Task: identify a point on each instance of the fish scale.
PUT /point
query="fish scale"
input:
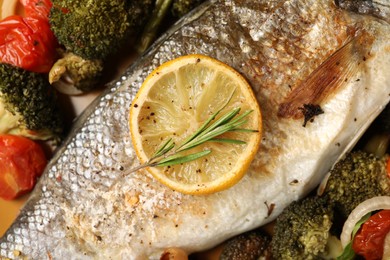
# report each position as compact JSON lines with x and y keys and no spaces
{"x":85,"y":206}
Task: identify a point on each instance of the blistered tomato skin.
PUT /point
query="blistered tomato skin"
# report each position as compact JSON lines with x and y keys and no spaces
{"x":37,"y":8}
{"x":369,"y":241}
{"x":27,"y":42}
{"x":22,"y":162}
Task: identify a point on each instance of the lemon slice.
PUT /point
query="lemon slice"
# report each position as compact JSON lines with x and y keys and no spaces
{"x":175,"y":100}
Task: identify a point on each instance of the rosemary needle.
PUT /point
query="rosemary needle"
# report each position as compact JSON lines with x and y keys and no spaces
{"x":166,"y":155}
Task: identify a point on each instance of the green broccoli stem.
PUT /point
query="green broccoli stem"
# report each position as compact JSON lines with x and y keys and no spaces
{"x":149,"y":33}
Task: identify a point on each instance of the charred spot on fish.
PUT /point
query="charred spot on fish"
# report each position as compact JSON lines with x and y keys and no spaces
{"x":310,"y":111}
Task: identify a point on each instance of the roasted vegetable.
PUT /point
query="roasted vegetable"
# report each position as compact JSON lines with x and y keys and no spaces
{"x":74,"y":75}
{"x":96,"y":29}
{"x":93,"y":31}
{"x":369,"y":240}
{"x":303,"y":230}
{"x":358,"y":177}
{"x":27,"y":41}
{"x":249,"y":245}
{"x":28,"y":105}
{"x":21,"y":163}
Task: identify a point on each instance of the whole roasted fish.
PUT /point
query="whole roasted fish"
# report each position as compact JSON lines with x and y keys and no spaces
{"x":321,"y":75}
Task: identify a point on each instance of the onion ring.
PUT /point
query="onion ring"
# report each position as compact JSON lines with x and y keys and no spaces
{"x":367,"y":206}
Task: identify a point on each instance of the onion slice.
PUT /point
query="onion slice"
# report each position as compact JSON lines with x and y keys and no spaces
{"x":7,"y":8}
{"x":367,"y":206}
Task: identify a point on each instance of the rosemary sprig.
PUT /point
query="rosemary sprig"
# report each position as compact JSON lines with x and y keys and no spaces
{"x":168,"y":155}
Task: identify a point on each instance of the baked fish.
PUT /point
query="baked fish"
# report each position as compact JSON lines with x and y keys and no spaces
{"x":320,"y":74}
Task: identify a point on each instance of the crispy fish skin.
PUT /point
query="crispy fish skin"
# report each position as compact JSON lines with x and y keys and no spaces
{"x":86,"y":207}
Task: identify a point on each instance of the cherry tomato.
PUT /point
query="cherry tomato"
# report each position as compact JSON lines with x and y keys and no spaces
{"x":27,"y":42}
{"x":37,"y":8}
{"x":22,"y":162}
{"x":369,"y":240}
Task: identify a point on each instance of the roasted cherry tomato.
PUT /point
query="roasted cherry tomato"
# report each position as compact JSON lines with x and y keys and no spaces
{"x":27,"y":42}
{"x":37,"y":8}
{"x":22,"y":162}
{"x":369,"y":240}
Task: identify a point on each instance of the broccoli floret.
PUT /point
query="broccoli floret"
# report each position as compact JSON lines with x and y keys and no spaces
{"x":73,"y":75}
{"x":91,"y":32}
{"x":96,"y":29}
{"x":302,"y":231}
{"x":28,"y":105}
{"x":356,"y":178}
{"x":181,"y":7}
{"x":250,"y":245}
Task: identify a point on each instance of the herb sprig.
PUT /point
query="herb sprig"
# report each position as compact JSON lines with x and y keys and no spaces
{"x":168,"y":155}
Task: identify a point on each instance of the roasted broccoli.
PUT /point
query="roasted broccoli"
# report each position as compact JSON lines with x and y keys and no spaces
{"x":74,"y":75}
{"x":303,"y":230}
{"x":357,"y":177}
{"x":250,"y":245}
{"x":96,"y":29}
{"x":92,"y":31}
{"x":28,"y":105}
{"x":181,"y":7}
